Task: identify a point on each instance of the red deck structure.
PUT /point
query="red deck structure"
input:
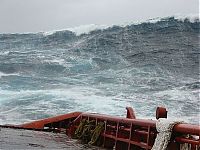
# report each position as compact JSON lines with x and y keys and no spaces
{"x":121,"y":133}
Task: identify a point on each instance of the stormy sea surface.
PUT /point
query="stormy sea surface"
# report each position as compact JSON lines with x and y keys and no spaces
{"x":140,"y":65}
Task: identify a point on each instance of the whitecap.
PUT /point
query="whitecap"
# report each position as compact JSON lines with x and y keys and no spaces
{"x":4,"y":53}
{"x":87,"y":28}
{"x":10,"y":74}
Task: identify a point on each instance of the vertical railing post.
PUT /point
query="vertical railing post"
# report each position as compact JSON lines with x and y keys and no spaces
{"x":130,"y":134}
{"x":148,"y":136}
{"x":105,"y":128}
{"x":116,"y":134}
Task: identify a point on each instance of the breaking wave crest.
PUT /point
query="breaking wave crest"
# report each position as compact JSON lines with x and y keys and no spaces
{"x":144,"y":65}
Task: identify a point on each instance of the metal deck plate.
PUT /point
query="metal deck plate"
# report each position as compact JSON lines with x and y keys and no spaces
{"x":19,"y":139}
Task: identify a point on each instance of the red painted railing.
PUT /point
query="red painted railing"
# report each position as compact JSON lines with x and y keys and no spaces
{"x":127,"y":134}
{"x":122,"y":133}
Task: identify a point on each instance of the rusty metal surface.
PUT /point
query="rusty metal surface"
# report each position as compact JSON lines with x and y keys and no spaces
{"x":19,"y":139}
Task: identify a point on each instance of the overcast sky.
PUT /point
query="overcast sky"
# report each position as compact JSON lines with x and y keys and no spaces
{"x":46,"y":15}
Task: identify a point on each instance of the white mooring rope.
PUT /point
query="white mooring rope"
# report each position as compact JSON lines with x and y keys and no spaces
{"x":164,"y":128}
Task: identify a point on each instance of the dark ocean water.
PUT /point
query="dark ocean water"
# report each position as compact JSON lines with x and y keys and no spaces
{"x":142,"y":66}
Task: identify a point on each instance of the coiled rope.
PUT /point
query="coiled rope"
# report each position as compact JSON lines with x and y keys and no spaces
{"x":96,"y":133}
{"x":88,"y":132}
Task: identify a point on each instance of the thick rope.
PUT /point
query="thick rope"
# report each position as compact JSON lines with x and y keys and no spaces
{"x":88,"y":132}
{"x":96,"y":133}
{"x":80,"y":128}
{"x":164,"y":127}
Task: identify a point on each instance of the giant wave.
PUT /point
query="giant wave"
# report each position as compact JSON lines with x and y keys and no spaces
{"x":140,"y":65}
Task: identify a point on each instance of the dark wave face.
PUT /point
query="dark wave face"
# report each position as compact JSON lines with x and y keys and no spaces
{"x":142,"y":66}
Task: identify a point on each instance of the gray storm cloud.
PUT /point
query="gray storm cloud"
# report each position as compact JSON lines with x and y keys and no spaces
{"x":46,"y":15}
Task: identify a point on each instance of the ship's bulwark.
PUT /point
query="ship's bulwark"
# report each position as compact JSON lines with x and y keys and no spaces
{"x":143,"y":66}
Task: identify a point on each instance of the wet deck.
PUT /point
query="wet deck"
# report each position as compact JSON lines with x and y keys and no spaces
{"x":27,"y":139}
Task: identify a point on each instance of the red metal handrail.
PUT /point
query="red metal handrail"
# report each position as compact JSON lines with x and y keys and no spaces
{"x":128,"y":132}
{"x":146,"y":127}
{"x":40,"y":124}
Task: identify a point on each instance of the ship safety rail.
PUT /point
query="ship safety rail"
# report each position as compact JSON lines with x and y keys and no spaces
{"x":130,"y":133}
{"x":121,"y":133}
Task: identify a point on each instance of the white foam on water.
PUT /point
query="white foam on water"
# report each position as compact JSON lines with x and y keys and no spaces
{"x":85,"y":29}
{"x":178,"y":101}
{"x":8,"y":74}
{"x":190,"y":17}
{"x":88,"y":99}
{"x":84,"y":99}
{"x":4,"y":53}
{"x":82,"y":29}
{"x":59,"y":61}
